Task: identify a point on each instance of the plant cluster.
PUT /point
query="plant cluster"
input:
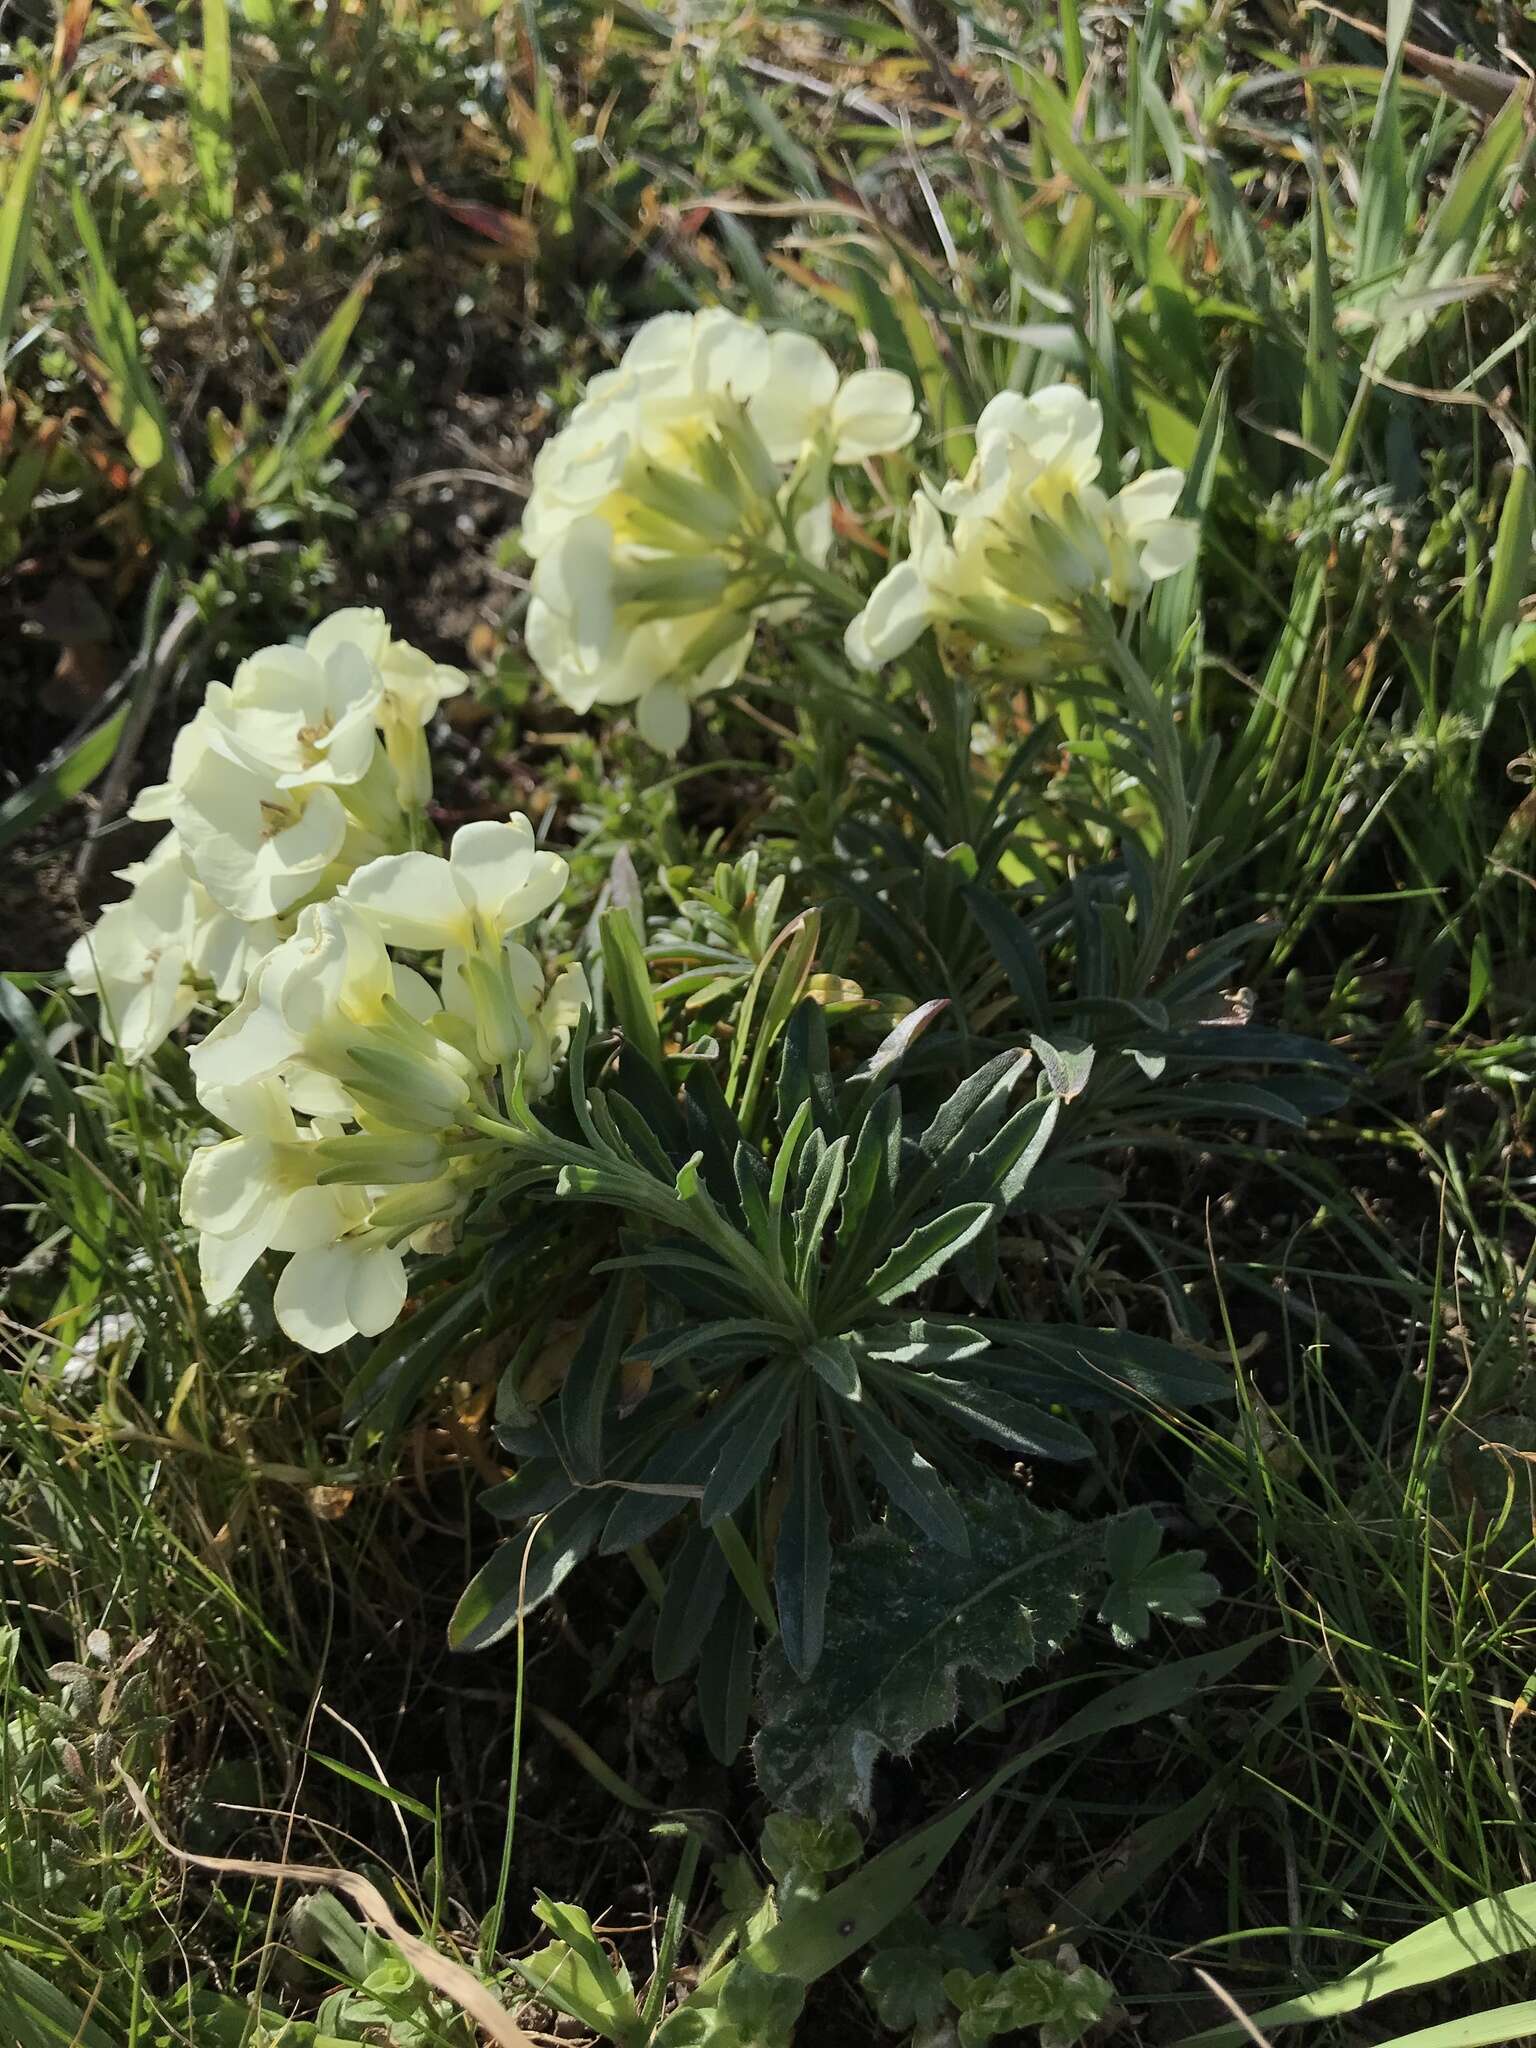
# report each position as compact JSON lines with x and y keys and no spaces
{"x":804,"y":1332}
{"x":941,"y":1185}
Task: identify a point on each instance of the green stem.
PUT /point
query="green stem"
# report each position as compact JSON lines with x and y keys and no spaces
{"x":824,"y":583}
{"x":630,"y":1189}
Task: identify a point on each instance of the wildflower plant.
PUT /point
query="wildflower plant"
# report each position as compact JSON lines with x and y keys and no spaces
{"x":781,"y":1141}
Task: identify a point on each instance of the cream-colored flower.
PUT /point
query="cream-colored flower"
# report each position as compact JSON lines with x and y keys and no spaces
{"x":257,"y":847}
{"x":136,"y":959}
{"x":304,"y":718}
{"x":802,"y":401}
{"x":470,"y":908}
{"x":941,"y":583}
{"x":683,"y":503}
{"x":221,"y":949}
{"x":257,"y":1191}
{"x":794,"y":402}
{"x":1033,"y":536}
{"x":348,"y":1030}
{"x":495,"y":880}
{"x":551,"y":1019}
{"x":1146,"y":542}
{"x":1031,"y":455}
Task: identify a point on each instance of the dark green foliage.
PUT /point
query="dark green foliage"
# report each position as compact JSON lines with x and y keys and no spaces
{"x":903,"y":1622}
{"x":793,"y":1394}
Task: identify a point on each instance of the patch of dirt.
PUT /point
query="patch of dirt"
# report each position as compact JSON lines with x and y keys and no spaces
{"x":39,"y":904}
{"x":442,"y":509}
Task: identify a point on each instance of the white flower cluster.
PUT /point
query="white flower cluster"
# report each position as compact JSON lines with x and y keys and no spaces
{"x":313,"y":761}
{"x":687,"y":498}
{"x":1030,"y":536}
{"x":359,"y":1087}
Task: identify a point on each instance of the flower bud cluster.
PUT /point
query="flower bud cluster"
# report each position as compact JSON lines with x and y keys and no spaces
{"x":358,"y":1086}
{"x":1030,"y":536}
{"x":311,"y":763}
{"x":688,"y":498}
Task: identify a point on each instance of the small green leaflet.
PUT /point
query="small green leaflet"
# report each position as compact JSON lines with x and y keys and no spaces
{"x":1143,"y":1584}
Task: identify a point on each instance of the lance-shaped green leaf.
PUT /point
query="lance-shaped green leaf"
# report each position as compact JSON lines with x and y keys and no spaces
{"x":576,"y":1975}
{"x":695,"y":1587}
{"x":18,"y":209}
{"x":127,"y":390}
{"x":909,"y":1479}
{"x":928,"y":1251}
{"x":628,"y":986}
{"x":802,"y":1561}
{"x":1484,"y":663}
{"x":757,"y":1417}
{"x":1503,"y":1925}
{"x":522,"y":1573}
{"x":591,"y":1376}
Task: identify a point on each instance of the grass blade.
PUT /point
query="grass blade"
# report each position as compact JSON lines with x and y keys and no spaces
{"x":1322,"y":405}
{"x":1383,"y":220}
{"x":16,"y":215}
{"x":74,"y":768}
{"x":128,"y":392}
{"x":1441,"y":265}
{"x":1484,"y":665}
{"x":1477,"y":2030}
{"x":209,"y":90}
{"x":42,"y":2016}
{"x":1501,"y":1926}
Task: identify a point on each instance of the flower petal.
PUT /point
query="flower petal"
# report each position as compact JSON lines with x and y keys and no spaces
{"x":1168,"y":548}
{"x":663,"y":716}
{"x":793,"y":403}
{"x":223,"y":1262}
{"x":375,"y":1289}
{"x":896,"y":616}
{"x":411,"y":900}
{"x":310,"y":1300}
{"x":1147,"y":498}
{"x":873,"y":414}
{"x":227,"y":1187}
{"x":491,"y":858}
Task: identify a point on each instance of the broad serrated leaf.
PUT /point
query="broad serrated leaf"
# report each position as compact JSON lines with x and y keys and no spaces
{"x":903,"y":1621}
